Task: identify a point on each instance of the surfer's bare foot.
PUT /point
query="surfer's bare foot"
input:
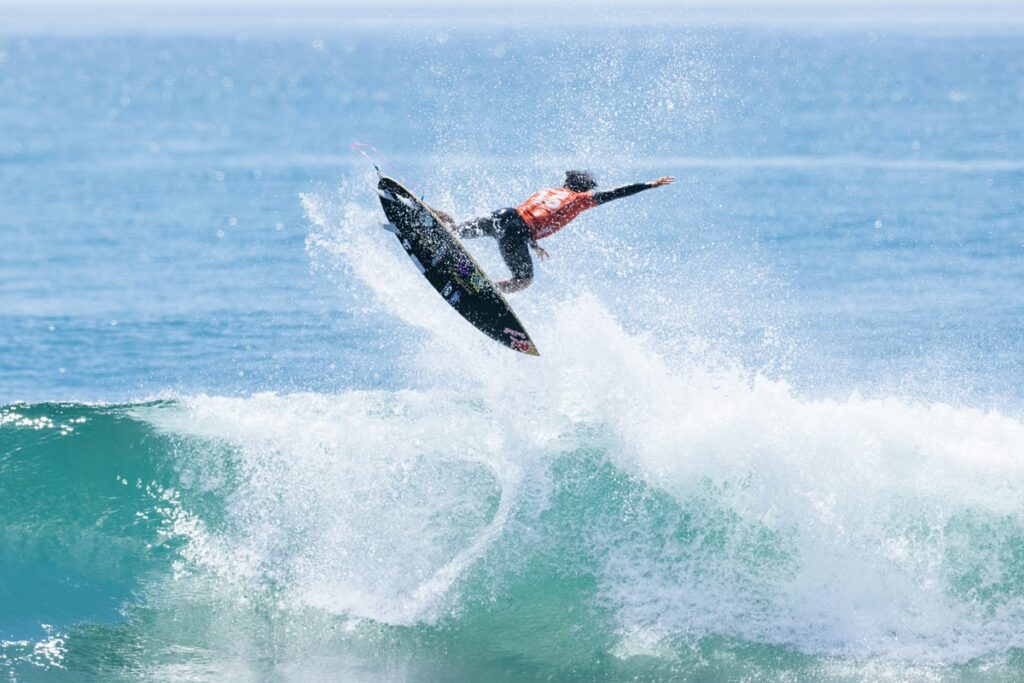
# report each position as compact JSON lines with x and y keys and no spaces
{"x":513,"y":285}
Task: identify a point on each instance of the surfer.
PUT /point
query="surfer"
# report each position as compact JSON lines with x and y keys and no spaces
{"x":543,"y":214}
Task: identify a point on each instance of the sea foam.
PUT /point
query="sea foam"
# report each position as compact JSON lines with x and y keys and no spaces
{"x":848,"y":526}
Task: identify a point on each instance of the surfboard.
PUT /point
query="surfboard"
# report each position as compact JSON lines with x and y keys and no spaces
{"x":451,"y":270}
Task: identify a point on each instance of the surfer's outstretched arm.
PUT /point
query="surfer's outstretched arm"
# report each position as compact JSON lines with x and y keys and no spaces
{"x":627,"y":190}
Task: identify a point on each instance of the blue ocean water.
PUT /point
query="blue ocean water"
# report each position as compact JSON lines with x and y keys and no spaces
{"x":776,"y":429}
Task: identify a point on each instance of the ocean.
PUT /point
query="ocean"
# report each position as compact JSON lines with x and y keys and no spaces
{"x":775,"y":432}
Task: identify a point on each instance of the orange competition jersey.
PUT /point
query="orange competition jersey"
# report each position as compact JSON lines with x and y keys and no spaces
{"x":548,"y":211}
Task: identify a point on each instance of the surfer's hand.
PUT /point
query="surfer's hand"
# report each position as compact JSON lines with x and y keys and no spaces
{"x":445,"y":218}
{"x":541,"y":254}
{"x":664,"y":180}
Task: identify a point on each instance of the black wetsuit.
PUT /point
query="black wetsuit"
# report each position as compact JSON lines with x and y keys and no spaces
{"x":513,"y":235}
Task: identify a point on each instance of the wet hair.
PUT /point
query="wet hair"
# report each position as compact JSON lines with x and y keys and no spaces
{"x":579,"y":181}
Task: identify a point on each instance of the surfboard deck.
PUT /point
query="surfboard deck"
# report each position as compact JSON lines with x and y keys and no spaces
{"x":449,"y":268}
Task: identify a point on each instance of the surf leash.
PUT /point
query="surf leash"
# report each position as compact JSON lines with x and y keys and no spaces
{"x":372,"y":162}
{"x":363,"y":147}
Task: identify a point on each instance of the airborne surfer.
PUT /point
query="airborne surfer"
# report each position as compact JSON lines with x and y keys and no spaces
{"x":543,"y":214}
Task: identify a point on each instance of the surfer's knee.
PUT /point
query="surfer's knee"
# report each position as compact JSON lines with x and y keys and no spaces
{"x":467,"y":229}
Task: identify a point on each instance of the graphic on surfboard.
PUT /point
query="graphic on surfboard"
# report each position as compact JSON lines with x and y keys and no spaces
{"x":449,"y":268}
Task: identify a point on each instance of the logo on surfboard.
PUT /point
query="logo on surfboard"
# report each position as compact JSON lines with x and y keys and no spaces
{"x":519,"y":341}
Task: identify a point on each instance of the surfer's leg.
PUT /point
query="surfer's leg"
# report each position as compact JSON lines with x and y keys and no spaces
{"x":485,"y":226}
{"x":514,"y":246}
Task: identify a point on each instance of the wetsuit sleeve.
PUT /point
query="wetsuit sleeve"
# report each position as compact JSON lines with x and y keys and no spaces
{"x":619,"y":192}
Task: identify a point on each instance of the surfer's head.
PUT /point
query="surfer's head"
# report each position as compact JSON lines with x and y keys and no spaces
{"x":579,"y":181}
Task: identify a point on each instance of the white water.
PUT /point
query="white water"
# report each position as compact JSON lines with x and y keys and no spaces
{"x":855,"y":527}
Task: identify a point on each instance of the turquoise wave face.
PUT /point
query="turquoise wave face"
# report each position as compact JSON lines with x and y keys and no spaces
{"x":431,"y":534}
{"x":74,"y":549}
